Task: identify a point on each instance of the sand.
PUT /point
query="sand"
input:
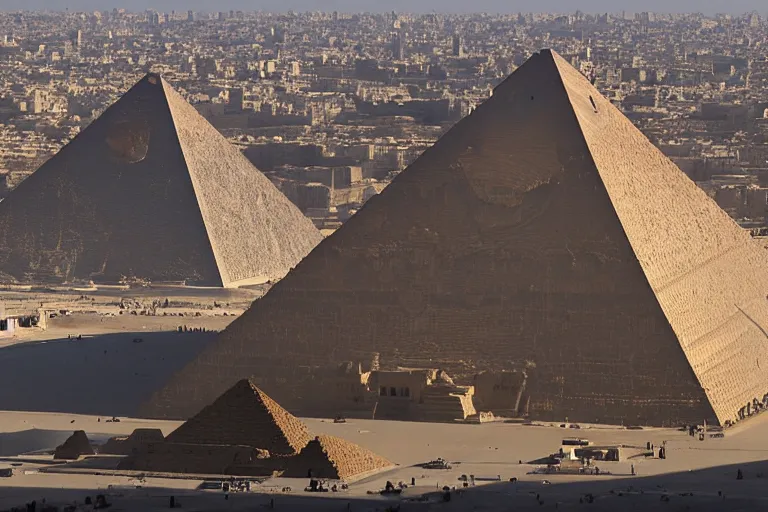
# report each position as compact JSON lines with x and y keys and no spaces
{"x":108,"y":374}
{"x":485,"y":450}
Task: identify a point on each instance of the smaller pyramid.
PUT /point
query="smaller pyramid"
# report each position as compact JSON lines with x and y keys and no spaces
{"x":245,"y":416}
{"x":139,"y":439}
{"x":76,"y":445}
{"x":334,"y":458}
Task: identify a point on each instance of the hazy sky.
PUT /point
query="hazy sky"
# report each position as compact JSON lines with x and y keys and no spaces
{"x":705,"y":6}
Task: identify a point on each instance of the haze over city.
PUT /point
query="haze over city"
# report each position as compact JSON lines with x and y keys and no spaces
{"x":320,"y":259}
{"x":422,"y":6}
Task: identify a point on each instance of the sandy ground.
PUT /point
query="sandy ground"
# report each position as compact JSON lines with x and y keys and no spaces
{"x":72,"y":384}
{"x":487,"y":451}
{"x":113,"y":311}
{"x":108,"y":374}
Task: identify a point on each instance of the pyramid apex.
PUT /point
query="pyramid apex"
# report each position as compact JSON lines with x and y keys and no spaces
{"x":153,"y":78}
{"x":245,"y":415}
{"x":151,"y":135}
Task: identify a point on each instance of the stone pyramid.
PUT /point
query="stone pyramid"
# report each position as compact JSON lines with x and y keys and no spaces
{"x":334,"y":458}
{"x":76,"y":445}
{"x":244,"y":416}
{"x":150,"y":190}
{"x":542,"y":233}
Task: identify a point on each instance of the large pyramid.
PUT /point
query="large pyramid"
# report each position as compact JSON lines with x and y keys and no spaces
{"x":150,"y":190}
{"x":543,"y":232}
{"x":244,"y":416}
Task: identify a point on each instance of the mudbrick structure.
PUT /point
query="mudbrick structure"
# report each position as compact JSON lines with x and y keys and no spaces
{"x":544,"y":235}
{"x":246,"y":433}
{"x":150,"y":191}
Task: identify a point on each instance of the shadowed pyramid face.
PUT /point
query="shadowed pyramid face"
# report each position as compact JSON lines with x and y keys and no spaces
{"x":128,"y":139}
{"x":150,"y":190}
{"x":543,"y":233}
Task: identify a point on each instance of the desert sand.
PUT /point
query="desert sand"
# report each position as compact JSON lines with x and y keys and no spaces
{"x":51,"y":386}
{"x":488,"y":451}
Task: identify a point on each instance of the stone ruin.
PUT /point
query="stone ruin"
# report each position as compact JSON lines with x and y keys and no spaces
{"x":137,"y":441}
{"x":74,"y":447}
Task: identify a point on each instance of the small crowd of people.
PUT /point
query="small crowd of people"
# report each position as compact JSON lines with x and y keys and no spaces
{"x":184,"y":328}
{"x":318,"y":485}
{"x":753,"y":407}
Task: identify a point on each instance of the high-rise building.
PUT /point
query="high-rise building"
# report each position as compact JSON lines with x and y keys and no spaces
{"x":190,"y":16}
{"x":458,"y":45}
{"x":398,"y":45}
{"x":236,"y":98}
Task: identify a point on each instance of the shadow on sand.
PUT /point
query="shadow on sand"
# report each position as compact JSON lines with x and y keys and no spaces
{"x":712,"y":489}
{"x":108,"y":375}
{"x":32,"y":440}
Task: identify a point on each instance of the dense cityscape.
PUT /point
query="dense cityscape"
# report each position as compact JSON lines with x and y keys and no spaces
{"x":417,"y":262}
{"x":332,"y":106}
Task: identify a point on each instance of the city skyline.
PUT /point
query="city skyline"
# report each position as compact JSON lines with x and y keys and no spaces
{"x":490,"y":6}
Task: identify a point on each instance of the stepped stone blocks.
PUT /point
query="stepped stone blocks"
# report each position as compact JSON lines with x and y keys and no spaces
{"x":150,"y":190}
{"x":244,"y":416}
{"x":245,"y":433}
{"x":201,"y":459}
{"x":134,"y":443}
{"x":543,"y":233}
{"x":76,"y":445}
{"x":334,"y":458}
